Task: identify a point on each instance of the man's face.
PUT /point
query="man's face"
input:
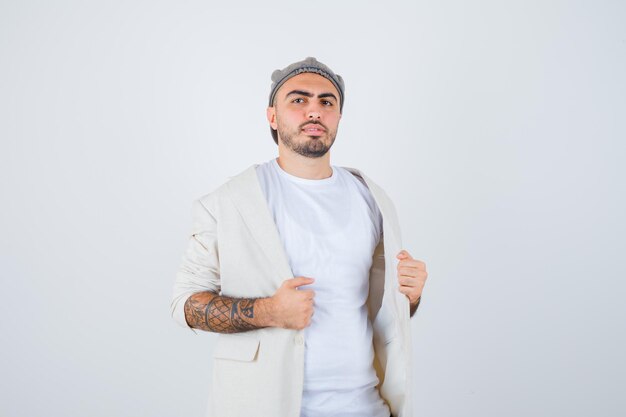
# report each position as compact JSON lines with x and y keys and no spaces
{"x":306,"y":114}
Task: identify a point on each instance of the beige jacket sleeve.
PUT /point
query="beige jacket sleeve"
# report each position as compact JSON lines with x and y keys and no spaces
{"x":199,"y":270}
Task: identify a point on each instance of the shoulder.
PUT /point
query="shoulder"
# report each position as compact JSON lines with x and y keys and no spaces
{"x":216,"y":197}
{"x":366,"y":180}
{"x":384,"y":202}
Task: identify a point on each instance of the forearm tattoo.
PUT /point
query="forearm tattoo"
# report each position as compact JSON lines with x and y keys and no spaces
{"x":215,"y":313}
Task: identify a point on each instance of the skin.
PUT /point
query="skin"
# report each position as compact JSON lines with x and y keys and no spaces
{"x":307,"y":98}
{"x":411,"y":278}
{"x":289,"y":308}
{"x":300,"y":153}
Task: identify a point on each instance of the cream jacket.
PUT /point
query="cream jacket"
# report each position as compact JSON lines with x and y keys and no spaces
{"x":235,"y":250}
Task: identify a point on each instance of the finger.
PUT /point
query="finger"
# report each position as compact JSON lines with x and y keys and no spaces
{"x":404,"y":290}
{"x":405,"y":281}
{"x":403,"y":254}
{"x":412,"y":263}
{"x":410,"y":281}
{"x":308,"y":294}
{"x":298,"y":281}
{"x":410,"y":271}
{"x":413,"y":273}
{"x":411,"y":293}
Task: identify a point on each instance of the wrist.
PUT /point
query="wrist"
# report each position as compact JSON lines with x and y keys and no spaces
{"x":266,"y":312}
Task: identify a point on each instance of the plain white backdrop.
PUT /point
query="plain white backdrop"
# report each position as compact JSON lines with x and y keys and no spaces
{"x":497,"y":128}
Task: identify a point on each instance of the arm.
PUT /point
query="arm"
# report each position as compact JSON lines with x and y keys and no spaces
{"x":289,"y":308}
{"x":214,"y":313}
{"x":197,"y":305}
{"x":199,"y":269}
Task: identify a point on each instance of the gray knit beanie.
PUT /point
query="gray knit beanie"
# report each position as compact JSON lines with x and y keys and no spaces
{"x":310,"y":64}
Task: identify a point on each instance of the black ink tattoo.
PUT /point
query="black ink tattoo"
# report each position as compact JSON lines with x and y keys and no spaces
{"x":215,"y":313}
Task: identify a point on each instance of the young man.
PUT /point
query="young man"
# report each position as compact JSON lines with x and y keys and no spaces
{"x":296,"y":263}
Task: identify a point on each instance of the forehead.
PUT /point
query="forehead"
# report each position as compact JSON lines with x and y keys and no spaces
{"x":309,"y":81}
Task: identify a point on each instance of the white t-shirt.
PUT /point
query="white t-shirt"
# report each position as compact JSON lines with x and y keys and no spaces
{"x":329,"y":229}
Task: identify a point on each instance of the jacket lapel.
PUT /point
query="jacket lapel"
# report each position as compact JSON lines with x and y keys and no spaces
{"x":390,"y":226}
{"x":391,"y":229}
{"x":246,"y":193}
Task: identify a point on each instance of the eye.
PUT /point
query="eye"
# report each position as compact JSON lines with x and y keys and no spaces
{"x":295,"y":99}
{"x":327,"y":102}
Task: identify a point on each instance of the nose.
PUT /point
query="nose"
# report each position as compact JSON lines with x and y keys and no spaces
{"x":314,"y":112}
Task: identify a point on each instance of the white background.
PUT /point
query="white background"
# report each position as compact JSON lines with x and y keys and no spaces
{"x":497,"y":128}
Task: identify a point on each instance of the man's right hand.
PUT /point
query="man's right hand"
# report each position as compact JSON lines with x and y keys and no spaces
{"x":290,"y":307}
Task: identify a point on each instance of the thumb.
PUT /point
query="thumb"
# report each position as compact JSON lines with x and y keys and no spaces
{"x":298,"y":281}
{"x":403,"y":254}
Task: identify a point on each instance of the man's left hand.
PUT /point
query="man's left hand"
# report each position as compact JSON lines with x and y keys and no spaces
{"x":411,"y":276}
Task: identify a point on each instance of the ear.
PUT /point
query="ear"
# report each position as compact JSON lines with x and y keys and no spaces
{"x":271,"y":117}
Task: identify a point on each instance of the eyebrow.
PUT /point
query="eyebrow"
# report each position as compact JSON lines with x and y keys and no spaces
{"x":307,"y":94}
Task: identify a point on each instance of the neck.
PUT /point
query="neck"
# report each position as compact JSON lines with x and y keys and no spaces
{"x":303,"y":167}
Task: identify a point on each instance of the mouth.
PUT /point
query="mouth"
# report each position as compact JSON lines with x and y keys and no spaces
{"x":313,"y":130}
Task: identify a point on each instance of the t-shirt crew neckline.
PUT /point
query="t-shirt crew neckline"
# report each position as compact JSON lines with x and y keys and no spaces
{"x":307,"y":181}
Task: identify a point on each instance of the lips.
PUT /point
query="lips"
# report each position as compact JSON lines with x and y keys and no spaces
{"x":313,"y":129}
